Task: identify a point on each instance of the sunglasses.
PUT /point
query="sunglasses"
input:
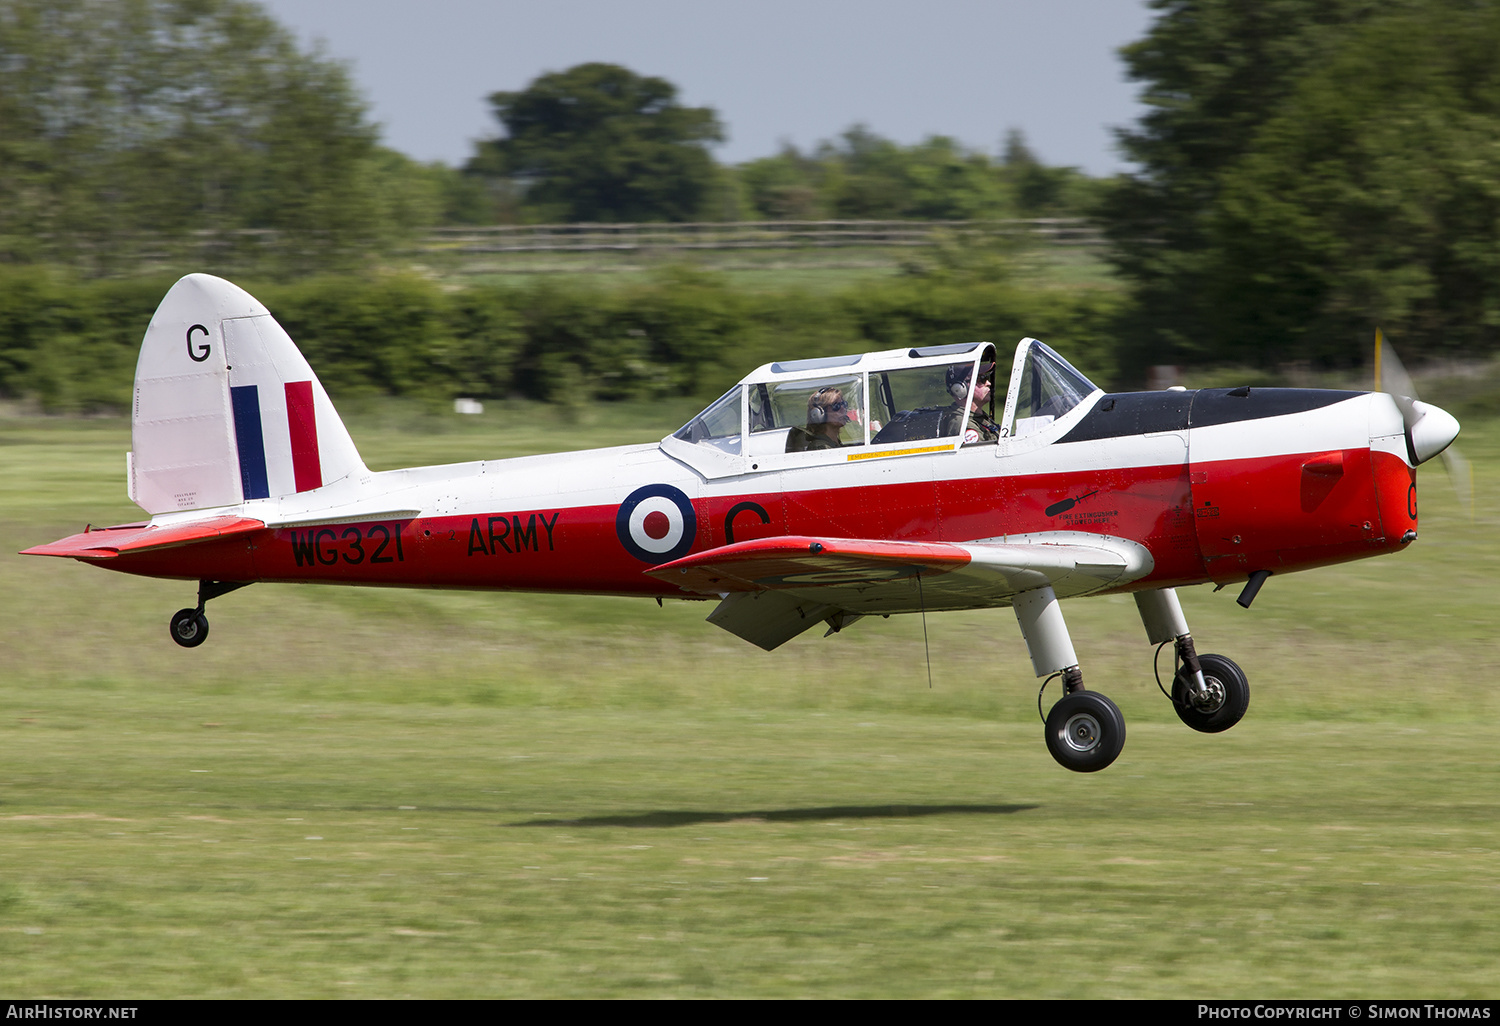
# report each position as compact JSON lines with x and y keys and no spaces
{"x":838,"y":407}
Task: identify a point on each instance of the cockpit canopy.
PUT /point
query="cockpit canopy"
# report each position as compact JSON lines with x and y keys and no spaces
{"x":935,"y":393}
{"x":1044,"y":387}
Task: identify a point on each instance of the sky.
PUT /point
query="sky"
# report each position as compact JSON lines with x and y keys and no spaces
{"x":776,"y":71}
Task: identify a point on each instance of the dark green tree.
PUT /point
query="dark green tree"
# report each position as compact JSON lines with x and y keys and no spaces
{"x":935,"y":179}
{"x":163,"y":118}
{"x":1038,"y":190}
{"x":863,"y":175}
{"x":786,"y":187}
{"x":600,"y":143}
{"x":1371,"y":196}
{"x":1214,"y":72}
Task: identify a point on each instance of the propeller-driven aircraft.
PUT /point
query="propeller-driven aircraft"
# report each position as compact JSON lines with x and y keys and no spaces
{"x":814,"y":492}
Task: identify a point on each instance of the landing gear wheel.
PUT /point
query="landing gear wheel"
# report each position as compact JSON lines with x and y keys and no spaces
{"x":189,"y":628}
{"x":1085,"y":731}
{"x":1226,"y":702}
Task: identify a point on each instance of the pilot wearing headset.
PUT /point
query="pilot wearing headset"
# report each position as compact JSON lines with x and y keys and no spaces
{"x":827,"y":413}
{"x":982,"y":427}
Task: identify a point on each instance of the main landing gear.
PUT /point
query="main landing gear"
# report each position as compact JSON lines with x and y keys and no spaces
{"x":189,"y":627}
{"x":1085,"y":731}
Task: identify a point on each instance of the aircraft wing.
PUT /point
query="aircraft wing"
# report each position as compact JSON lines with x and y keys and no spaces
{"x":793,"y":561}
{"x":110,"y":542}
{"x":775,"y":588}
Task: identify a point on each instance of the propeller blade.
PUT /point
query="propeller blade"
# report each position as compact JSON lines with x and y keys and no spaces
{"x":1429,"y":430}
{"x":1461,"y":473}
{"x":1391,"y":376}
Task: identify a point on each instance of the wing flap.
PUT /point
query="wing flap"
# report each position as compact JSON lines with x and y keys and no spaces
{"x":768,"y":619}
{"x":111,"y":542}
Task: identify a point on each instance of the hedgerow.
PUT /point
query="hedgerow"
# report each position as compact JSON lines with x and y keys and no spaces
{"x":71,"y":345}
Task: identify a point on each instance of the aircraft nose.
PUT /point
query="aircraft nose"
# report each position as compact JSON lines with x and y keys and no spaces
{"x":1430,"y":431}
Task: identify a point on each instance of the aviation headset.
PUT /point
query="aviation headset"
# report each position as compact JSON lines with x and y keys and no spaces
{"x":817,"y":405}
{"x":958,"y":379}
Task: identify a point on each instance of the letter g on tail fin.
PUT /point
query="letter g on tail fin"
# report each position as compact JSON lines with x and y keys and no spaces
{"x":226,"y":408}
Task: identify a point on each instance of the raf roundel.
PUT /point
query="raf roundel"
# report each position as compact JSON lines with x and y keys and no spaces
{"x":656,"y":524}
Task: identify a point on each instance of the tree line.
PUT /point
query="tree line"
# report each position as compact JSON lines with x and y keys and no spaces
{"x":1308,"y":170}
{"x":1304,"y":171}
{"x":123,"y":118}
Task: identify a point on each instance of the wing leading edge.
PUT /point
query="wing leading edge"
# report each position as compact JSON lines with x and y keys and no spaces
{"x":773,"y":589}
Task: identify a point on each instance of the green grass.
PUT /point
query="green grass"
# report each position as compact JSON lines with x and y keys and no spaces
{"x":812,"y":270}
{"x":369,"y":793}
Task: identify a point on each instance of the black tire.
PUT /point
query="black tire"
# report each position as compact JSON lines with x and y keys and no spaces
{"x":1085,"y":731}
{"x":189,"y":628}
{"x":1230,"y":699}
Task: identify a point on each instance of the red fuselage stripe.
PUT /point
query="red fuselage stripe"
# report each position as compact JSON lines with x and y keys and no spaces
{"x":1216,"y":520}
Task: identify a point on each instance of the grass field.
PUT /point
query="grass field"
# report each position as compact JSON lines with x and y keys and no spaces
{"x":816,"y":271}
{"x":367,"y":793}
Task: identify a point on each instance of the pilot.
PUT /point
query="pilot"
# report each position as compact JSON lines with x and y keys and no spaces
{"x":982,"y":427}
{"x":827,"y":413}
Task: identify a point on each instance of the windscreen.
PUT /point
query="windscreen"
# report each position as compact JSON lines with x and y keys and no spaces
{"x":718,"y":425}
{"x":1050,"y":387}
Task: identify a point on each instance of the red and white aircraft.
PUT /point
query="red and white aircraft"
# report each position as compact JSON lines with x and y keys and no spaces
{"x":812,"y":492}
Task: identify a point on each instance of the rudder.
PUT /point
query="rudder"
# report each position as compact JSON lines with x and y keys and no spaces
{"x":226,"y":407}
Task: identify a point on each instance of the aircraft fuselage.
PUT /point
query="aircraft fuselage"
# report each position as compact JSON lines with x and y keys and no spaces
{"x":1214,"y":486}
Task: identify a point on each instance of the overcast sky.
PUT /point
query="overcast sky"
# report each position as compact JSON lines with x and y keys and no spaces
{"x":775,"y":70}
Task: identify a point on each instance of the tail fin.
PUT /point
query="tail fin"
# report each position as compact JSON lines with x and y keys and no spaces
{"x":226,"y":408}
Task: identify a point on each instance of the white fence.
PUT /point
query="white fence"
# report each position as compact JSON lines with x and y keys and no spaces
{"x":745,"y":235}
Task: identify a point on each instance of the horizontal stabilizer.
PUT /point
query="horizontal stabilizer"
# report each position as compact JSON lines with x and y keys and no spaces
{"x":110,"y":542}
{"x":348,"y":518}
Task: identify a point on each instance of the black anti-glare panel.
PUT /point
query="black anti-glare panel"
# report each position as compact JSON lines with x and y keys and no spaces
{"x":1133,"y":413}
{"x":1226,"y":405}
{"x":1138,"y":413}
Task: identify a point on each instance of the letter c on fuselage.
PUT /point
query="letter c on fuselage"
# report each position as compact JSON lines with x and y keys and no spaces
{"x":736,"y":510}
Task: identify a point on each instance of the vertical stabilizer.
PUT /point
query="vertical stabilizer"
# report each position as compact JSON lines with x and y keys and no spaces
{"x":226,"y":407}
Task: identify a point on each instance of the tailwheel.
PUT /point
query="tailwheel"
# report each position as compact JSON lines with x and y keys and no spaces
{"x":1085,"y":731}
{"x":1222,"y":705}
{"x":189,"y":627}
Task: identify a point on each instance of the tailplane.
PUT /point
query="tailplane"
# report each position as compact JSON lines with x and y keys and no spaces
{"x":226,"y":408}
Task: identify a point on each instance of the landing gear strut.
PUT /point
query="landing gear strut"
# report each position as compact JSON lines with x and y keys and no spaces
{"x":1085,"y":731}
{"x":1210,"y":693}
{"x":189,"y":627}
